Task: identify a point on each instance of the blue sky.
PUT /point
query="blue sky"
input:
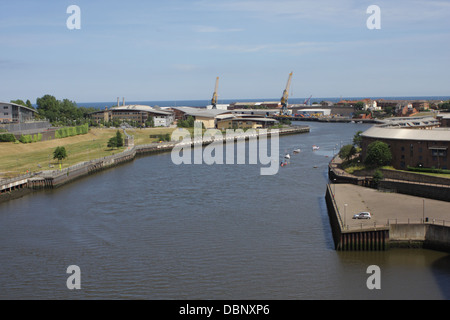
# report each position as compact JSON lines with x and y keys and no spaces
{"x":174,"y":50}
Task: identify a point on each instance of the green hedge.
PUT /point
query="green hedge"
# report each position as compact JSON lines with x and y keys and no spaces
{"x":71,"y":131}
{"x":28,"y":138}
{"x":7,"y":137}
{"x":429,"y":170}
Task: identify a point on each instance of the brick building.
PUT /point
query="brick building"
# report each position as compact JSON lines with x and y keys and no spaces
{"x":412,"y":147}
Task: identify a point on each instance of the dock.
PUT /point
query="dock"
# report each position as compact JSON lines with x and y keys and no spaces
{"x":398,"y":220}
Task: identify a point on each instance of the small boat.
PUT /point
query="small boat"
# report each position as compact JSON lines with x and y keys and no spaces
{"x":315,"y":148}
{"x":287,"y":156}
{"x":297,"y":151}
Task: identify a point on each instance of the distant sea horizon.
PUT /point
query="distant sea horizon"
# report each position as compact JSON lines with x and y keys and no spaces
{"x":205,"y":102}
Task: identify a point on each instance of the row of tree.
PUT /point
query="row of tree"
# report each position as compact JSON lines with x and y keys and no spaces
{"x":59,"y":112}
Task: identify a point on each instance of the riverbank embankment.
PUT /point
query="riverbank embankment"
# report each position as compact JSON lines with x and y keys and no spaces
{"x":48,"y":179}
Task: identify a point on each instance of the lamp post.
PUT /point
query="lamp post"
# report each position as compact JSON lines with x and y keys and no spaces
{"x":345,"y":215}
{"x":423,"y":210}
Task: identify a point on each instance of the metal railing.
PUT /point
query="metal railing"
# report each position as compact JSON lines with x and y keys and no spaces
{"x":427,"y":220}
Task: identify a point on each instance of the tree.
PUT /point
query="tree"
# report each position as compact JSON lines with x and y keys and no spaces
{"x":19,"y":101}
{"x":60,"y":153}
{"x":359,"y":105}
{"x":378,"y":154}
{"x":119,"y":139}
{"x":445,"y":105}
{"x":347,"y":152}
{"x":357,"y":139}
{"x":112,"y":143}
{"x":116,"y":141}
{"x":377,"y":176}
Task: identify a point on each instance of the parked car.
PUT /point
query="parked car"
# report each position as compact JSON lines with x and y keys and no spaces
{"x":362,"y":215}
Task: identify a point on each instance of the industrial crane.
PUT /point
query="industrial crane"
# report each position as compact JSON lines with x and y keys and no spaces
{"x":307,"y":100}
{"x":284,"y":98}
{"x":214,"y":97}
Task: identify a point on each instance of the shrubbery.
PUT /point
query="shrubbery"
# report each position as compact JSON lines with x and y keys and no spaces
{"x":28,"y":138}
{"x":71,"y":131}
{"x":428,"y":170}
{"x":7,"y":137}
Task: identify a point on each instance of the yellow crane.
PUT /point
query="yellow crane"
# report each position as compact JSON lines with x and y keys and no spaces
{"x":284,"y":98}
{"x":214,"y":97}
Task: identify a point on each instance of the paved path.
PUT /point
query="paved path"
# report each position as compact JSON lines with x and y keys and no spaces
{"x":386,"y":206}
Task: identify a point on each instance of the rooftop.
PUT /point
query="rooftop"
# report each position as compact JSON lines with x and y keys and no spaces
{"x":137,"y":108}
{"x":410,"y":122}
{"x":436,"y":134}
{"x":201,"y":112}
{"x":19,"y":105}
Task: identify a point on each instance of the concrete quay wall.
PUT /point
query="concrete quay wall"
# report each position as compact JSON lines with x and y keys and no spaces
{"x":367,"y":239}
{"x":424,"y":235}
{"x":384,"y":231}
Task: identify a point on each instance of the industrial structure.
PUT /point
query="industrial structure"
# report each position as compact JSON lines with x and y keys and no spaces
{"x":214,"y":97}
{"x":284,"y":98}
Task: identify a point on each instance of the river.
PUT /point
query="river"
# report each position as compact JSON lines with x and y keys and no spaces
{"x":151,"y":229}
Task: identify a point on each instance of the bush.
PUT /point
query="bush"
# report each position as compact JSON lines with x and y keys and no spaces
{"x":428,"y":170}
{"x":7,"y":137}
{"x":378,"y":154}
{"x":26,"y":138}
{"x":71,"y":131}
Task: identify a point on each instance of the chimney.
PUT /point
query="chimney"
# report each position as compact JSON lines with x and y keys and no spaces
{"x":117,"y":101}
{"x":123,"y":99}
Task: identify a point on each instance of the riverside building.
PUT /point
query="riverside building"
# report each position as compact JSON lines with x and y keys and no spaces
{"x":419,"y":145}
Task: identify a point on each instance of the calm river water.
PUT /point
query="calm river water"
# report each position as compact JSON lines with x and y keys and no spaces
{"x":150,"y":229}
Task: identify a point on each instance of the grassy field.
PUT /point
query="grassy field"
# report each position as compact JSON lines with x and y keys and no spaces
{"x":19,"y":158}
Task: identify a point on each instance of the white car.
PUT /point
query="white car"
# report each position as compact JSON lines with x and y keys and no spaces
{"x":362,"y":215}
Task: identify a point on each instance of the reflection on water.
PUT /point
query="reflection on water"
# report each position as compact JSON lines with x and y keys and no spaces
{"x":153,"y":230}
